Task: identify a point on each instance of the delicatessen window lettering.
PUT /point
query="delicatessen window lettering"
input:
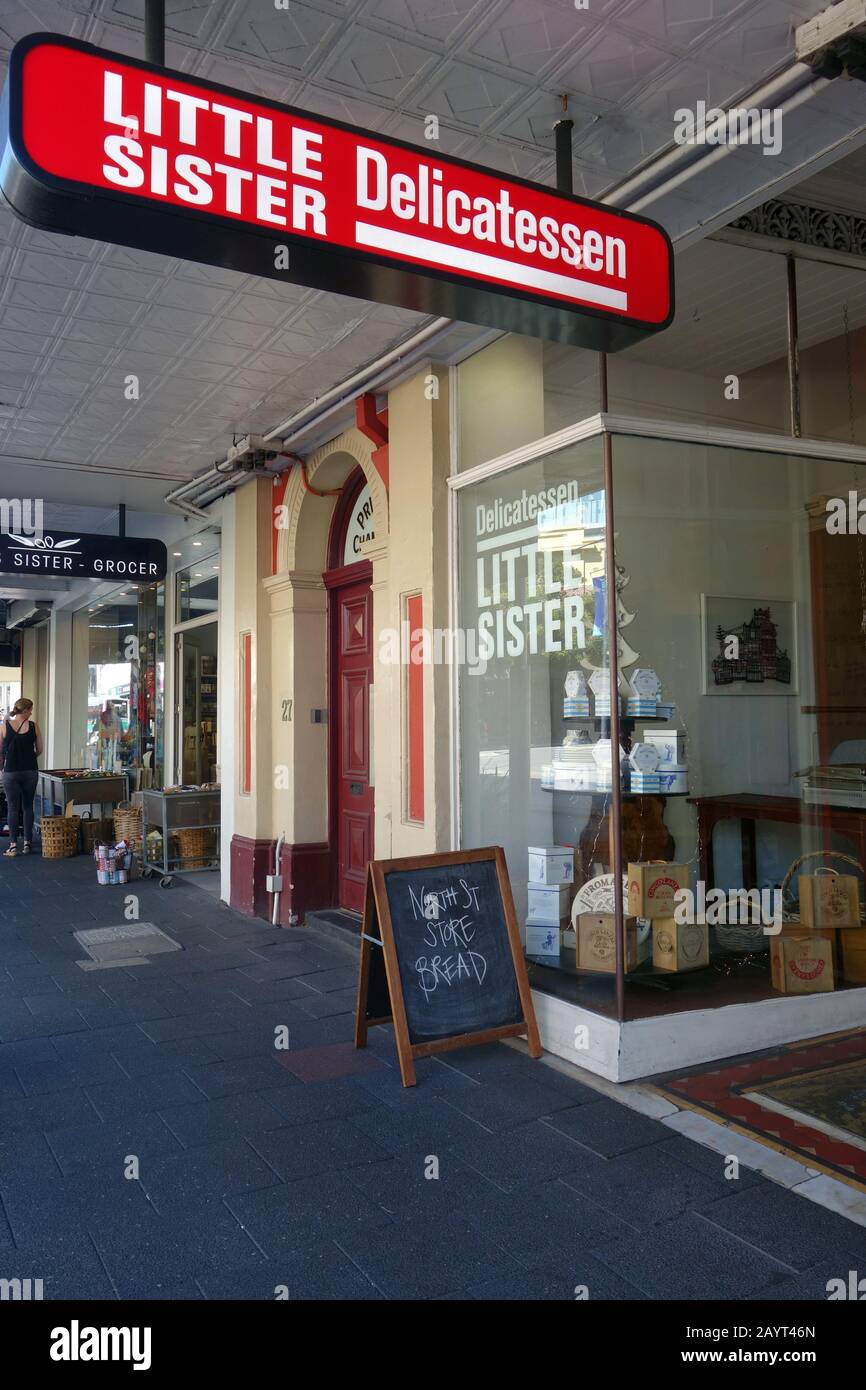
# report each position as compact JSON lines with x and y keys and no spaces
{"x":528,"y":586}
{"x":532,"y":579}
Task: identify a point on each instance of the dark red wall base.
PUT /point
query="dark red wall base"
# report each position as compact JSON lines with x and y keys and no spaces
{"x":251,"y":862}
{"x":307,"y":879}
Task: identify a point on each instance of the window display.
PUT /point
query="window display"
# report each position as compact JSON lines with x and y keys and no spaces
{"x":722,"y":789}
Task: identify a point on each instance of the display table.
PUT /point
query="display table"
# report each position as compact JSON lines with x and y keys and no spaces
{"x":749,"y":808}
{"x":172,"y":813}
{"x":57,"y":789}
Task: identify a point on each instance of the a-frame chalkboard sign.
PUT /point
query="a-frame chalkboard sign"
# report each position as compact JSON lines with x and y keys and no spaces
{"x":441,"y":956}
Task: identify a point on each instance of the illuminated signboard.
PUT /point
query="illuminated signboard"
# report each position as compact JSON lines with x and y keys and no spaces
{"x":100,"y":145}
{"x":76,"y":555}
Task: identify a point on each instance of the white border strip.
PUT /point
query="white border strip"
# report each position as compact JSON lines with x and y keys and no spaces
{"x":691,"y":433}
{"x":572,"y":434}
{"x":662,"y":430}
{"x":518,"y":276}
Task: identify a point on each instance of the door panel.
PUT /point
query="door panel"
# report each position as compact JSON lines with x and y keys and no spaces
{"x":355,"y":724}
{"x":353,"y":613}
{"x":196,"y":704}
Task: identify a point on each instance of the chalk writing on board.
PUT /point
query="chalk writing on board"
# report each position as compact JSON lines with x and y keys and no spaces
{"x":451,"y":933}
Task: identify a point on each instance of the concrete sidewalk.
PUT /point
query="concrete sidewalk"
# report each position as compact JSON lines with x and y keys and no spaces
{"x":155,"y":1144}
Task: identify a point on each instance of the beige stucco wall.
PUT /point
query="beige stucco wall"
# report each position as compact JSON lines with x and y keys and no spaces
{"x":34,"y":675}
{"x":418,"y":562}
{"x":298,"y":618}
{"x":287,"y":614}
{"x":251,"y":558}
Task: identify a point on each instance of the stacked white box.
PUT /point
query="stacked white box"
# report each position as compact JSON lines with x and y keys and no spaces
{"x":551,"y":864}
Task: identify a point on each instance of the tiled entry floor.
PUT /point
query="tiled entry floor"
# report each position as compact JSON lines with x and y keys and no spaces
{"x":154,"y":1144}
{"x":806,"y":1099}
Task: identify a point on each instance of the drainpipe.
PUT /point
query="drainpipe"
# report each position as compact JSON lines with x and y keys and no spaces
{"x":277,"y":881}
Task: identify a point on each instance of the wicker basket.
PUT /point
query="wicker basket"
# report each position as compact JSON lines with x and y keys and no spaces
{"x":60,"y":836}
{"x":197,"y":847}
{"x":94,"y":831}
{"x":127,"y":822}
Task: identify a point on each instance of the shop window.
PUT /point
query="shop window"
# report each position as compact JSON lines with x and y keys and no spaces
{"x":741,"y":608}
{"x":533,"y":599}
{"x":749,"y":607}
{"x":516,"y":390}
{"x":125,"y":688}
{"x":196,"y":656}
{"x":197,"y":590}
{"x":831,"y":303}
{"x":723,"y":361}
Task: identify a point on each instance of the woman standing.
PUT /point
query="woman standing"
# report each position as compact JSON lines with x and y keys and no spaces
{"x":20,"y":746}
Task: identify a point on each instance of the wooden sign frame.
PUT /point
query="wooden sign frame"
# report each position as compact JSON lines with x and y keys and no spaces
{"x":377,"y":913}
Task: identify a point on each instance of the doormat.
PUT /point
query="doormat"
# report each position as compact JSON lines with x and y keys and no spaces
{"x":807,"y":1100}
{"x":129,"y":944}
{"x":835,"y":1098}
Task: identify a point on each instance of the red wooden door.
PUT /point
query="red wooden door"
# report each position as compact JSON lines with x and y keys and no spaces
{"x":353,"y":617}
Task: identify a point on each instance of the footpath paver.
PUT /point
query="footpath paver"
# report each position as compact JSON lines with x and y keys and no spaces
{"x":154,"y":1143}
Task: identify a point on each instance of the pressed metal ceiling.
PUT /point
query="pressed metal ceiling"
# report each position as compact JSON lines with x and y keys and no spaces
{"x":220,"y":354}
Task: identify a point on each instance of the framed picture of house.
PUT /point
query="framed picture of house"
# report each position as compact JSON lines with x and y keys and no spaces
{"x":748,"y":646}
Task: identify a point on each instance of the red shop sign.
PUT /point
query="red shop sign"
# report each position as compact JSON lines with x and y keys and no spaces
{"x":100,"y":145}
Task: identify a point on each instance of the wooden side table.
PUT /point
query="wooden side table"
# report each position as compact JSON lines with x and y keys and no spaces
{"x":749,"y":808}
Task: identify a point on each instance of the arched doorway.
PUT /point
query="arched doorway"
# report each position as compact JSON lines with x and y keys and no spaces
{"x":348,"y":581}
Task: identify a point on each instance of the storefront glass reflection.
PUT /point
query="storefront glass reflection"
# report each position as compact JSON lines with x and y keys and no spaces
{"x":535,"y":776}
{"x":126,"y":678}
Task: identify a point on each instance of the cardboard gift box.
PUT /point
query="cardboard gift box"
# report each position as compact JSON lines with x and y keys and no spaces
{"x":644,"y":684}
{"x":542,"y":941}
{"x":671,"y":744}
{"x":829,"y":900}
{"x":548,"y":905}
{"x":651,"y":888}
{"x":596,"y":942}
{"x":680,"y":945}
{"x":644,"y":758}
{"x":644,"y":783}
{"x":551,"y":863}
{"x":802,"y":962}
{"x":854,"y":956}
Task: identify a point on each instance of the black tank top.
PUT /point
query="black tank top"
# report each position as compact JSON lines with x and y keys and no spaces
{"x":20,"y":749}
